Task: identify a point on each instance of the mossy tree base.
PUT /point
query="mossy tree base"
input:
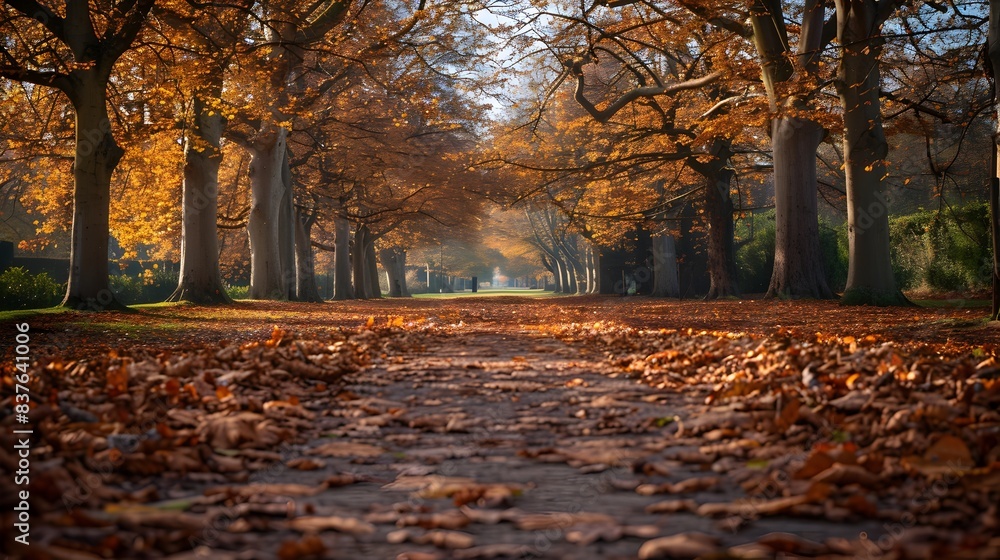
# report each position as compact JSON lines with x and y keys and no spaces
{"x":105,"y":302}
{"x":200,"y":297}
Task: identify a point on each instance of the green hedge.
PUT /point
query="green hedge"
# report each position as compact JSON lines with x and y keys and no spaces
{"x":153,"y":286}
{"x":947,"y":250}
{"x":20,"y":290}
{"x":238,"y":292}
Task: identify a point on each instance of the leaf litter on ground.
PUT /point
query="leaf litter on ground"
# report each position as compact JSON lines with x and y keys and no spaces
{"x":832,"y":427}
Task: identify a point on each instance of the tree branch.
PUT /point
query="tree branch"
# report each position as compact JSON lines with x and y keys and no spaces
{"x":48,"y":79}
{"x":602,"y":116}
{"x":322,"y":23}
{"x":120,"y":41}
{"x":41,"y":14}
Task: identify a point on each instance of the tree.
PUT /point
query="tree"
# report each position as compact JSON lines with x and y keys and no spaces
{"x":870,"y":278}
{"x":671,"y":84}
{"x":280,"y":39}
{"x":212,"y":40}
{"x":993,"y":69}
{"x":70,"y":53}
{"x":790,"y":78}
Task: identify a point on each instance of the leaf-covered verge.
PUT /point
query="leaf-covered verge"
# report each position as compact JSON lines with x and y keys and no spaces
{"x":490,"y":428}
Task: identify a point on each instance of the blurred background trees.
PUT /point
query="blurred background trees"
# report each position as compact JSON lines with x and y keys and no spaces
{"x":344,"y":149}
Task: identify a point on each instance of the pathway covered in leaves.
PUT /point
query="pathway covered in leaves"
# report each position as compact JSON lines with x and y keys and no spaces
{"x":453,"y":434}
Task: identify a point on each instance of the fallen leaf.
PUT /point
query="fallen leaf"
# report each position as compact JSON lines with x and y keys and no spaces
{"x":682,"y":546}
{"x":331,"y":523}
{"x":346,"y":449}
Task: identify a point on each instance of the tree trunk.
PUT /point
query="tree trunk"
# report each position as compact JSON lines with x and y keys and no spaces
{"x":553,"y":266}
{"x":394,"y":261}
{"x":200,"y":279}
{"x":305,"y":263}
{"x":371,"y":268}
{"x":562,"y":281}
{"x":267,"y":189}
{"x":798,"y":265}
{"x":595,"y":270}
{"x":569,"y":254}
{"x":97,"y":155}
{"x":666,"y":282}
{"x":721,"y":231}
{"x":569,"y":278}
{"x":590,"y":263}
{"x":719,"y":217}
{"x":580,"y":279}
{"x":361,"y":284}
{"x":286,"y":230}
{"x":993,"y":60}
{"x":342,"y":288}
{"x":870,"y":280}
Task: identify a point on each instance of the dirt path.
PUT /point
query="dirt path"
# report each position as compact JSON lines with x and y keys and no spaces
{"x":515,"y":445}
{"x":515,"y":409}
{"x":514,"y":430}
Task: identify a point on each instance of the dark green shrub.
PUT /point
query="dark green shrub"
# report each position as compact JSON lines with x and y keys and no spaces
{"x":948,"y":250}
{"x":834,"y":247}
{"x":127,"y":289}
{"x":20,"y":290}
{"x":152,"y":286}
{"x":755,"y":252}
{"x":158,"y":284}
{"x":910,"y":249}
{"x":238,"y":292}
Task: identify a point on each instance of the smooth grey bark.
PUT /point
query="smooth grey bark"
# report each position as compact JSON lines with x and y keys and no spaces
{"x":870,"y":280}
{"x":798,"y":267}
{"x":595,"y":269}
{"x":993,"y":60}
{"x":305,"y":262}
{"x":571,"y":257}
{"x":393,"y":260}
{"x":96,"y":156}
{"x":590,"y":263}
{"x":200,"y":278}
{"x":551,"y":266}
{"x":286,"y":230}
{"x":565,"y":253}
{"x":371,"y":268}
{"x":562,"y":281}
{"x":268,"y":279}
{"x":271,"y":223}
{"x":569,"y":278}
{"x":342,"y":260}
{"x":666,"y":278}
